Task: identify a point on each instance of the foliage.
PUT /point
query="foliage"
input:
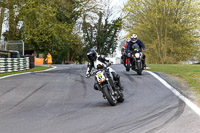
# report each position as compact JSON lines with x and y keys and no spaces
{"x":102,"y":33}
{"x":9,"y":12}
{"x":167,"y":27}
{"x":47,"y":27}
{"x":64,"y":28}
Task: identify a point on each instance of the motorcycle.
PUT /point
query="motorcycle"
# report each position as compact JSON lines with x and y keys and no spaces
{"x":137,"y":61}
{"x":107,"y":85}
{"x":134,"y":60}
{"x":128,"y":60}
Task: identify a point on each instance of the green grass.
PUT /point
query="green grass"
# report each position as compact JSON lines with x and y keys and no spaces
{"x":37,"y":68}
{"x":190,"y":73}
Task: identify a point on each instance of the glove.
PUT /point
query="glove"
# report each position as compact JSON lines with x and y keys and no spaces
{"x":87,"y":76}
{"x":92,"y":73}
{"x":109,"y":64}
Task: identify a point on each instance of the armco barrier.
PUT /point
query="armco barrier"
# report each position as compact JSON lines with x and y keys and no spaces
{"x":14,"y":64}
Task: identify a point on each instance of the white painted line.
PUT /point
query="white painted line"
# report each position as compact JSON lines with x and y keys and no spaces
{"x":26,"y":73}
{"x":54,"y":67}
{"x":193,"y":106}
{"x":13,"y":75}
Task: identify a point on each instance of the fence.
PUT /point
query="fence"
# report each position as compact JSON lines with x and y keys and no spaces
{"x":13,"y":46}
{"x":14,"y":64}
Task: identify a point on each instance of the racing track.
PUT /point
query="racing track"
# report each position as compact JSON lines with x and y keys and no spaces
{"x":63,"y":101}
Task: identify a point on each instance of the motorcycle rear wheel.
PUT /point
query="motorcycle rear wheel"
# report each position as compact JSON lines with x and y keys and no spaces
{"x":121,"y":98}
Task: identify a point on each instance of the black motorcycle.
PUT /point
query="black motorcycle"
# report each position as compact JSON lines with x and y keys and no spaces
{"x":134,"y":59}
{"x":107,"y":85}
{"x":137,"y":64}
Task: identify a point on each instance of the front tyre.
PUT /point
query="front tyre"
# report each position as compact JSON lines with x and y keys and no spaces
{"x":128,"y":65}
{"x":139,"y":68}
{"x":108,"y":94}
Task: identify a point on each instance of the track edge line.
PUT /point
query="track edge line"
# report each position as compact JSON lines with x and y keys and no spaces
{"x":193,"y":106}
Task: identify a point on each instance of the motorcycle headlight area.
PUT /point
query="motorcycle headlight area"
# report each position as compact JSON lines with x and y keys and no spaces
{"x":100,"y":76}
{"x":137,"y":55}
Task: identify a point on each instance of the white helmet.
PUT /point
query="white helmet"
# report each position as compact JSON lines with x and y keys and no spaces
{"x":134,"y":38}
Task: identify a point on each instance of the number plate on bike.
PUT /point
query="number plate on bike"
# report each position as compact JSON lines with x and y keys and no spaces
{"x":100,"y":76}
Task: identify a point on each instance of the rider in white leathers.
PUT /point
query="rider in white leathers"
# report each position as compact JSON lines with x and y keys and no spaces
{"x":94,"y":60}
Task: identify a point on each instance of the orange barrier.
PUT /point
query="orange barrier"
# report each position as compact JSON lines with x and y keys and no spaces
{"x":39,"y":61}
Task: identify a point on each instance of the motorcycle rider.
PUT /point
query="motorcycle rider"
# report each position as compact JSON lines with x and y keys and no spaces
{"x":94,"y":60}
{"x":123,"y":50}
{"x":135,"y":40}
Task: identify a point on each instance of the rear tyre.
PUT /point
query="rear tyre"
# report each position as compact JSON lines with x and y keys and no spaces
{"x":111,"y":99}
{"x":121,"y":98}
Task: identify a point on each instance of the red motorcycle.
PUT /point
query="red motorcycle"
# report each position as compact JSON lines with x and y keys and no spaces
{"x":129,"y":59}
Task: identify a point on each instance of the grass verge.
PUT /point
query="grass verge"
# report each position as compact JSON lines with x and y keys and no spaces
{"x":189,"y":73}
{"x":37,"y":68}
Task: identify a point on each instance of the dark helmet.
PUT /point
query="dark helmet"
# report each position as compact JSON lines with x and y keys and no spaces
{"x":92,"y":54}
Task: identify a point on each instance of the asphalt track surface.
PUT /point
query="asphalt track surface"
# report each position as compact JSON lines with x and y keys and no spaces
{"x":64,"y":101}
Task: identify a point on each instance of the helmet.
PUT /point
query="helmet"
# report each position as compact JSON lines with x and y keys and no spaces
{"x":128,"y":40}
{"x":134,"y":38}
{"x":125,"y":45}
{"x":91,"y":54}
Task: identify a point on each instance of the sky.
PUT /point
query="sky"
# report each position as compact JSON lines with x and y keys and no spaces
{"x":117,"y":6}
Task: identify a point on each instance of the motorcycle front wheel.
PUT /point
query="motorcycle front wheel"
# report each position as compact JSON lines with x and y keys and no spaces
{"x":128,"y":65}
{"x":139,"y":68}
{"x":108,"y":94}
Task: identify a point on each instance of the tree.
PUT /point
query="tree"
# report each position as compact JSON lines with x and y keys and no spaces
{"x":167,"y":27}
{"x":101,"y":32}
{"x":54,"y":26}
{"x":45,"y":26}
{"x":9,"y":13}
{"x":48,"y":25}
{"x":2,"y":6}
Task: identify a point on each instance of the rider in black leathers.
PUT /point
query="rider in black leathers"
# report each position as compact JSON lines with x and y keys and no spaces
{"x":94,"y":60}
